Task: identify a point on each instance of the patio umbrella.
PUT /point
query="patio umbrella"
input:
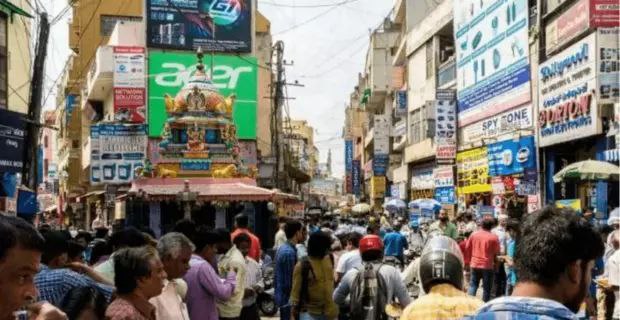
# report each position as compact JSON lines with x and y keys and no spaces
{"x":588,"y":170}
{"x":428,"y":204}
{"x":395,"y":204}
{"x":614,"y":216}
{"x":361,"y":208}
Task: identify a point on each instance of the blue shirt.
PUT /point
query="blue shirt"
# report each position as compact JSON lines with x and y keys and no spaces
{"x":286,"y":258}
{"x":523,"y":308}
{"x":394,"y":244}
{"x":511,"y":247}
{"x":54,"y":284}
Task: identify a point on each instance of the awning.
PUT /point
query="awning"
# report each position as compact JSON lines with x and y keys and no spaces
{"x":92,"y":193}
{"x":612,"y":155}
{"x":11,"y":9}
{"x":207,"y":189}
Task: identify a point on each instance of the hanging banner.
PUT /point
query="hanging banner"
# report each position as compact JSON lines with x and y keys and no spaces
{"x":472,"y":171}
{"x":348,"y":155}
{"x":445,"y":195}
{"x":116,"y":151}
{"x":443,"y":176}
{"x":492,"y":64}
{"x":445,"y":126}
{"x":377,"y":187}
{"x":401,"y":103}
{"x":509,"y":157}
{"x":357,"y":178}
{"x":129,"y":84}
{"x":380,"y":164}
{"x":12,"y":135}
{"x":382,"y":125}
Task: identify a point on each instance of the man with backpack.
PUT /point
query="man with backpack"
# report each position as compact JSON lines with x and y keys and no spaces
{"x":372,"y":286}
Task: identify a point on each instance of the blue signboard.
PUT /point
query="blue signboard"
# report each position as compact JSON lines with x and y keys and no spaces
{"x":356,"y":176}
{"x":380,"y":164}
{"x":511,"y":157}
{"x":191,"y":165}
{"x":401,"y":103}
{"x":348,"y":155}
{"x":12,"y":135}
{"x":117,"y":150}
{"x":445,"y":195}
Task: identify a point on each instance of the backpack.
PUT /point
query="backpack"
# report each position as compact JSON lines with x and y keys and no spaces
{"x":368,"y":294}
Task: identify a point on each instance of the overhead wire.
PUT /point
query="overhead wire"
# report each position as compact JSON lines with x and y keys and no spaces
{"x":315,"y":17}
{"x":301,"y":6}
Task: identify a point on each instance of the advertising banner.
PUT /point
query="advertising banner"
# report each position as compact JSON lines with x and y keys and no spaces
{"x":170,"y":71}
{"x":116,"y":151}
{"x":567,"y":106}
{"x":377,"y":187}
{"x":381,"y":127}
{"x":445,"y":126}
{"x":129,"y":84}
{"x":357,"y":178}
{"x":569,"y":25}
{"x":574,"y":204}
{"x":445,"y":195}
{"x":214,"y":25}
{"x":248,"y":153}
{"x":608,"y":64}
{"x":443,"y":176}
{"x":422,"y":178}
{"x":492,"y":67}
{"x":400,"y":128}
{"x":401,"y":103}
{"x":604,"y":13}
{"x":509,"y":157}
{"x":12,"y":135}
{"x":348,"y":155}
{"x":472,"y":171}
{"x":510,"y":121}
{"x":380,"y":164}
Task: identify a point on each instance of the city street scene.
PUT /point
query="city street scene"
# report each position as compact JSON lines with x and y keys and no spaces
{"x":309,"y":159}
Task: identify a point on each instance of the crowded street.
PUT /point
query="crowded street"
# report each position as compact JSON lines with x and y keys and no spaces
{"x":309,"y":159}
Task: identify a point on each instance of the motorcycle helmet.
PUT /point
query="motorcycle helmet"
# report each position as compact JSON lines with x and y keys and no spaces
{"x":370,"y":242}
{"x":441,"y":261}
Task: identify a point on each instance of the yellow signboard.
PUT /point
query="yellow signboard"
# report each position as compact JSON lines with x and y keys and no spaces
{"x":472,"y":167}
{"x":377,"y":187}
{"x":574,"y":204}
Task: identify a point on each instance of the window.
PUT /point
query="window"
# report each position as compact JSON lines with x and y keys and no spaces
{"x":429,"y":58}
{"x":108,"y":23}
{"x":415,"y":126}
{"x":4,"y":75}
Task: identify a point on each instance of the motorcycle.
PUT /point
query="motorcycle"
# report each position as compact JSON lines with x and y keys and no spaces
{"x":265,"y":299}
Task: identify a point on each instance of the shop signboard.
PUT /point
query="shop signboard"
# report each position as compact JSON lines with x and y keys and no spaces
{"x":532,"y":203}
{"x":608,"y":64}
{"x":604,"y":13}
{"x":394,"y":191}
{"x":116,"y":151}
{"x":401,"y":103}
{"x":507,"y":122}
{"x":472,"y":171}
{"x":445,"y":126}
{"x":567,"y":26}
{"x":380,"y":164}
{"x":348,"y":183}
{"x":526,"y":188}
{"x":568,"y":105}
{"x":400,"y":128}
{"x":510,"y":157}
{"x":214,"y":25}
{"x":248,"y":153}
{"x":422,"y":178}
{"x":443,"y":176}
{"x":12,"y":136}
{"x":129,"y":84}
{"x":497,"y":185}
{"x":574,"y":204}
{"x":357,"y":178}
{"x":492,"y":66}
{"x":170,"y":71}
{"x":377,"y":187}
{"x":381,"y":127}
{"x":348,"y":155}
{"x":445,"y":195}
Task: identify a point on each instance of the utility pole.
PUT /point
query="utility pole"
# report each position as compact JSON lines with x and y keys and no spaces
{"x":29,"y":170}
{"x":276,"y":116}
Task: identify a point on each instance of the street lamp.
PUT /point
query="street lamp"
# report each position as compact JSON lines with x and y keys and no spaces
{"x":187,"y":197}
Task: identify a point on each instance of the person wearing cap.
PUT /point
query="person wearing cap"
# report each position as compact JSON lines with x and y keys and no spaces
{"x":441,"y":276}
{"x":371,"y":249}
{"x":241,"y":226}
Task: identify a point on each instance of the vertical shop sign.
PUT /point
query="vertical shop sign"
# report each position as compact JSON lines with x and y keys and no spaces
{"x":129,"y":84}
{"x":445,"y":126}
{"x":357,"y":179}
{"x":473,"y":171}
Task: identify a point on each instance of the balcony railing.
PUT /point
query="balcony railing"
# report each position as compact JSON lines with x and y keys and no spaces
{"x":446,"y":73}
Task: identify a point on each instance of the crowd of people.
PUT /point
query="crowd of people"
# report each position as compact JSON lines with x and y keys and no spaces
{"x":550,"y":264}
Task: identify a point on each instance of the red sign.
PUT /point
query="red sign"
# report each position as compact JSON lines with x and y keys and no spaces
{"x":570,"y":110}
{"x":604,"y":13}
{"x":129,"y":104}
{"x":446,"y":152}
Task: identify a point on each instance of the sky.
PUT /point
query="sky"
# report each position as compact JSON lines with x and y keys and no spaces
{"x":325,"y":40}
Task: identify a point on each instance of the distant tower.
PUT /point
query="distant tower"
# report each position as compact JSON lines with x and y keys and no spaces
{"x":329,"y":162}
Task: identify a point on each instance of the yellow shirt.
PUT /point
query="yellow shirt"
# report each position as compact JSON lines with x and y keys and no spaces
{"x":320,"y":288}
{"x":232,"y":307}
{"x":443,"y":302}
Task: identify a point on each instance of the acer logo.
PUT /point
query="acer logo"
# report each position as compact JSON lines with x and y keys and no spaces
{"x":177,"y":74}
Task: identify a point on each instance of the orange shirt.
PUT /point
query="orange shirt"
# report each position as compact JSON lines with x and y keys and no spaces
{"x":254,"y":244}
{"x":483,"y":246}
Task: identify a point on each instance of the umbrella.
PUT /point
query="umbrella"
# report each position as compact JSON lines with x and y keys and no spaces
{"x":588,"y":170}
{"x":361,"y":208}
{"x":429,"y":204}
{"x":395,"y":204}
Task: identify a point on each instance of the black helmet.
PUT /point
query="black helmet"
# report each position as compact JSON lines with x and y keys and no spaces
{"x":441,"y":261}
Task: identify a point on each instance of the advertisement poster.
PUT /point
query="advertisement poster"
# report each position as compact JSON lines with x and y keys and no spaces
{"x":422,"y":178}
{"x":443,"y":176}
{"x":116,"y":151}
{"x":574,"y":204}
{"x":348,"y":155}
{"x":214,"y":25}
{"x":509,"y":157}
{"x":401,"y":103}
{"x":492,"y":67}
{"x":169,"y":72}
{"x":604,"y":13}
{"x":247,"y":153}
{"x":510,"y":121}
{"x":567,"y":108}
{"x":380,"y":164}
{"x":567,"y":26}
{"x":382,"y":125}
{"x":377,"y":187}
{"x":357,"y":179}
{"x":445,"y":126}
{"x":608,"y":55}
{"x":445,"y":195}
{"x":12,"y":135}
{"x":129,"y":84}
{"x":472,"y":171}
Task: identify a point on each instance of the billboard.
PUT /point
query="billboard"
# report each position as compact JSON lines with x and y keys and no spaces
{"x":472,"y":171}
{"x":445,"y":126}
{"x":567,"y":26}
{"x":129,"y":84}
{"x":116,"y":151}
{"x":214,"y":25}
{"x":348,"y":155}
{"x":12,"y":135}
{"x":170,"y":71}
{"x":504,"y":123}
{"x":492,"y":66}
{"x":509,"y":157}
{"x":382,"y":124}
{"x":608,"y":67}
{"x":357,"y":178}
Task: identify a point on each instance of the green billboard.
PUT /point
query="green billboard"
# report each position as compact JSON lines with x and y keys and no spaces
{"x":170,"y":71}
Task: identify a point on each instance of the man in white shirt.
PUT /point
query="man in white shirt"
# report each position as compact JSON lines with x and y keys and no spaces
{"x":253,"y":279}
{"x":280,"y":237}
{"x":612,"y":268}
{"x":350,"y":259}
{"x":231,"y":259}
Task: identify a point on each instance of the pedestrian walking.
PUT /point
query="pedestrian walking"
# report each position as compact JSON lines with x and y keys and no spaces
{"x":285,"y":260}
{"x":241,"y":226}
{"x":253,"y":279}
{"x":313,"y":282}
{"x":499,"y":278}
{"x":484,"y":248}
{"x":554,"y":259}
{"x":231,"y":259}
{"x":139,"y":277}
{"x":395,"y":244}
{"x":444,"y":225}
{"x":280,"y":237}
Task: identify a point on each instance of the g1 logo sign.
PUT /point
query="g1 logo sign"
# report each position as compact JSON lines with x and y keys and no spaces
{"x":225,"y":12}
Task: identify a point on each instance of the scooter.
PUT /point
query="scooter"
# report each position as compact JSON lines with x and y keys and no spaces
{"x":265,"y":298}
